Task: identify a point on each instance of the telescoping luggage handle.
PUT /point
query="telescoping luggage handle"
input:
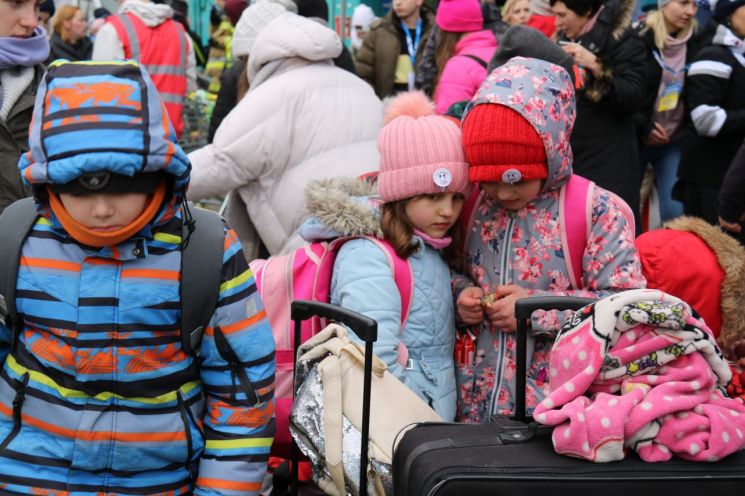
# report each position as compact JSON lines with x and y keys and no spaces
{"x":524,"y":308}
{"x":367,"y":330}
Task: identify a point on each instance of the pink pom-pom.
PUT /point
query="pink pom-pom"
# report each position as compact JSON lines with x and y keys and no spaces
{"x":413,"y":104}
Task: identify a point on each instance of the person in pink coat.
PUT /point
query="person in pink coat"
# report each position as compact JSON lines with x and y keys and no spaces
{"x":463,"y":52}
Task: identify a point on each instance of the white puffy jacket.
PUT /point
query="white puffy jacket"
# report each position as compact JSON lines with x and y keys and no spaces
{"x":303,"y":118}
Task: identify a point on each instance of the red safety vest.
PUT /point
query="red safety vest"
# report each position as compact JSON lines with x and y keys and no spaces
{"x":163,"y":50}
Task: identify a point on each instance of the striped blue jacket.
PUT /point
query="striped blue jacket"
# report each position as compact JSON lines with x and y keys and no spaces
{"x":97,"y":395}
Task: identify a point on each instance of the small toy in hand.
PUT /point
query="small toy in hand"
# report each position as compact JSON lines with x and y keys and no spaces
{"x":488,"y":299}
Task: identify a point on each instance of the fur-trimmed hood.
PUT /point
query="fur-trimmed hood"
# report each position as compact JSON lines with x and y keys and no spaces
{"x":731,"y":257}
{"x":543,"y":94}
{"x":613,"y":22}
{"x":341,"y":206}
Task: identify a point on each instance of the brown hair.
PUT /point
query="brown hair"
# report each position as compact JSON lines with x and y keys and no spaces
{"x":398,"y":231}
{"x":446,"y":42}
{"x":64,"y":13}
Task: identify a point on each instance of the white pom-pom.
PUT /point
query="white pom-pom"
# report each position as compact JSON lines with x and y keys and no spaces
{"x":413,"y":104}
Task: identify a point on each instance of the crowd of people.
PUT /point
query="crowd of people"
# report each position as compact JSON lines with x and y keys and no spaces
{"x":475,"y":139}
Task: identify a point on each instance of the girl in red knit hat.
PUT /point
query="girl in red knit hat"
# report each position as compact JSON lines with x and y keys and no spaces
{"x":534,"y":229}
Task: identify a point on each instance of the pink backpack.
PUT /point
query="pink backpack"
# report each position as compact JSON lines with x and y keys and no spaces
{"x":575,"y":220}
{"x":305,"y":274}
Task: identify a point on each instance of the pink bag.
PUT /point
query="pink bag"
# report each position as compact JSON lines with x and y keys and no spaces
{"x":305,"y":274}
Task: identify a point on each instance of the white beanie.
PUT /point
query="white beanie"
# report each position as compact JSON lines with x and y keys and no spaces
{"x":255,"y":18}
{"x":363,"y":16}
{"x":289,"y":5}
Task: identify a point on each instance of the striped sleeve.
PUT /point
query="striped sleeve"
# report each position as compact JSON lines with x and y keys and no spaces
{"x":5,"y":336}
{"x":239,"y":419}
{"x":708,"y":86}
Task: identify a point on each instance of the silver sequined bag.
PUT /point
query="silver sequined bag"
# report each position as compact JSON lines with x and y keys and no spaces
{"x":326,"y":415}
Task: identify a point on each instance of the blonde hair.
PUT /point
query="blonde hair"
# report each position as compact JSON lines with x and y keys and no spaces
{"x":656,"y":22}
{"x":64,"y":13}
{"x":509,"y":6}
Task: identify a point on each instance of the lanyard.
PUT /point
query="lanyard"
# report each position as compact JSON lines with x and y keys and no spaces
{"x":666,"y":67}
{"x":412,"y":45}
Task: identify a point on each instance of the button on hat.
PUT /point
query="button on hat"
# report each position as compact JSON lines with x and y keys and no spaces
{"x":501,"y":145}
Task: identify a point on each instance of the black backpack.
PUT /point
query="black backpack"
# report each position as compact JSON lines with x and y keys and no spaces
{"x":201,"y":268}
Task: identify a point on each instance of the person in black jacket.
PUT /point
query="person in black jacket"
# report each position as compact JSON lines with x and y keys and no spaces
{"x":69,"y":39}
{"x":611,"y":59}
{"x":228,"y":96}
{"x":715,"y":98}
{"x":670,"y":35}
{"x":732,"y":197}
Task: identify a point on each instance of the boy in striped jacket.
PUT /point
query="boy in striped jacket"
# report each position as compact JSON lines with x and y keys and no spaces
{"x":97,"y":393}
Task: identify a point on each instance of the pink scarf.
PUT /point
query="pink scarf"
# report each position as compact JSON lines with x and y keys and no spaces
{"x":591,"y":23}
{"x":436,"y":243}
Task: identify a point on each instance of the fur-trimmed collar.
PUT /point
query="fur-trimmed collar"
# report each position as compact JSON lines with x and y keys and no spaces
{"x":731,"y":257}
{"x":611,"y":25}
{"x":345,"y":205}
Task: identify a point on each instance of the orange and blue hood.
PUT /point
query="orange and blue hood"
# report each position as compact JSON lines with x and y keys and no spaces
{"x":100,"y":116}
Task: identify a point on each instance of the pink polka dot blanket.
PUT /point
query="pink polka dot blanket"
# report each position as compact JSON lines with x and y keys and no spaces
{"x":637,"y":370}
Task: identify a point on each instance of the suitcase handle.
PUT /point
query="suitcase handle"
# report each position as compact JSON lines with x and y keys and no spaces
{"x":367,"y":330}
{"x":364,"y":327}
{"x":524,"y":308}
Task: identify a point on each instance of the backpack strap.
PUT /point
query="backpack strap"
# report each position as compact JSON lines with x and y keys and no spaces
{"x":476,"y":59}
{"x":201,"y":274}
{"x":404,"y":278}
{"x":575,"y":219}
{"x":15,"y":223}
{"x":402,"y":274}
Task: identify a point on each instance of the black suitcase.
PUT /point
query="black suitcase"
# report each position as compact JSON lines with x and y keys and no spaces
{"x":515,"y":456}
{"x":367,"y":330}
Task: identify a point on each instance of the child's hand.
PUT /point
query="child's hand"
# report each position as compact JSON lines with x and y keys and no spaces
{"x":469,"y":305}
{"x":739,"y":350}
{"x":501,"y":313}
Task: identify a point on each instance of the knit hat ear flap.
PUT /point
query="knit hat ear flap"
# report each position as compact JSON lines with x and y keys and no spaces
{"x":501,"y":145}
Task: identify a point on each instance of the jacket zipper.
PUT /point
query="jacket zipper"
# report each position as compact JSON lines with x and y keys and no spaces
{"x":182,"y":408}
{"x":20,"y":396}
{"x":502,"y":338}
{"x":236,"y":368}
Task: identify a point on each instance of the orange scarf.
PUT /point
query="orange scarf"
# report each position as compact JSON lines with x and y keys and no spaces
{"x":97,"y":239}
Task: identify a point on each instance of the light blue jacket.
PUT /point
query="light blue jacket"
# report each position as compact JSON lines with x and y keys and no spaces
{"x":362,"y":281}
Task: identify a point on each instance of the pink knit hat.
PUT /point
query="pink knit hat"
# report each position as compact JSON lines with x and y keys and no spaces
{"x":420,"y":152}
{"x":460,"y":16}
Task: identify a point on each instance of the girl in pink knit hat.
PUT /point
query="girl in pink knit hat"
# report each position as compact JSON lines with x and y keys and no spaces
{"x":422,"y":180}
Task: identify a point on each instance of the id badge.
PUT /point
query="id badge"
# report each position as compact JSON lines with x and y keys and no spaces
{"x":411,"y":81}
{"x":670,"y":97}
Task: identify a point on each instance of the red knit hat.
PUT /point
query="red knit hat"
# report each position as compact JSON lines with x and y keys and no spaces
{"x":501,"y":145}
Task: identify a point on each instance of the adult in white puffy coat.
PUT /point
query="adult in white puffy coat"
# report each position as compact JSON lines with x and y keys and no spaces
{"x":303,"y":118}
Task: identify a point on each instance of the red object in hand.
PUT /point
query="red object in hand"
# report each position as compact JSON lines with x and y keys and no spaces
{"x":735,"y":388}
{"x":465,"y":349}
